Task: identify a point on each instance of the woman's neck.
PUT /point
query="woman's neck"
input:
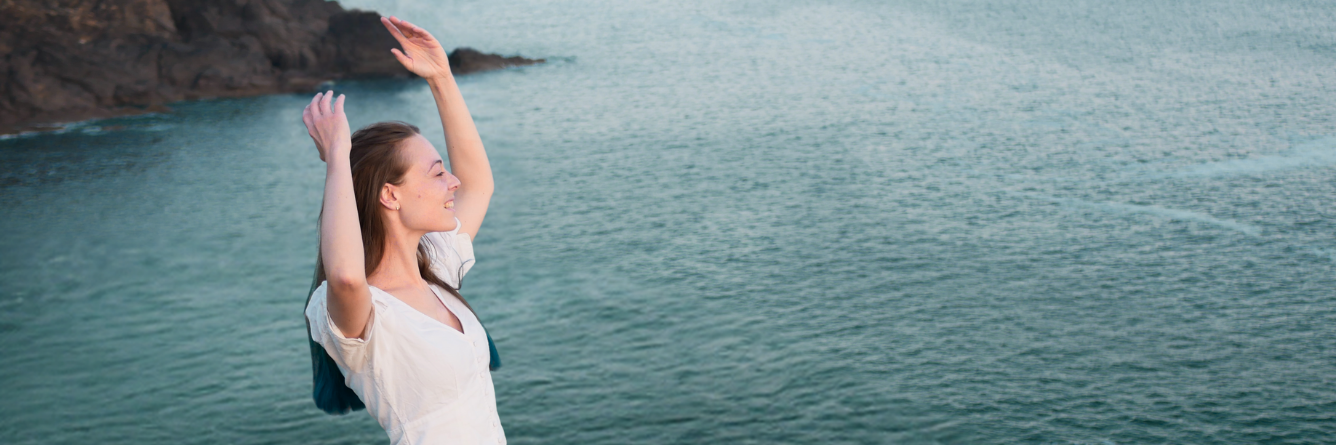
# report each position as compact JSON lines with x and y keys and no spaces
{"x":398,"y":266}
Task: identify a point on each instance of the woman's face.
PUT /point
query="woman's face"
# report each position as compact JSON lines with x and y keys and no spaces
{"x":426,"y":197}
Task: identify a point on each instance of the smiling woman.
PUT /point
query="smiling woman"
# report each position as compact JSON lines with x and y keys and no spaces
{"x":396,"y":235}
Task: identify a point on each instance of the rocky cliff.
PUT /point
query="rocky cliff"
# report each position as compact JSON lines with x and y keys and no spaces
{"x":68,"y":60}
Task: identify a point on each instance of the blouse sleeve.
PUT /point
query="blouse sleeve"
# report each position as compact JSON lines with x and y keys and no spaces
{"x":451,"y":254}
{"x":351,"y":354}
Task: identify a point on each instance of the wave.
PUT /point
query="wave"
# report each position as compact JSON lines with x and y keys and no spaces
{"x":1120,"y":208}
{"x":1320,"y":152}
{"x":1316,"y":153}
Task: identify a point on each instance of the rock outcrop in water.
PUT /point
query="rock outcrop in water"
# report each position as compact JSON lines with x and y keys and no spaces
{"x":68,"y":60}
{"x":469,"y":60}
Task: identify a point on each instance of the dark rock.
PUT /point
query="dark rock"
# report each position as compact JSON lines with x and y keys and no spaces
{"x":469,"y":60}
{"x":69,"y":60}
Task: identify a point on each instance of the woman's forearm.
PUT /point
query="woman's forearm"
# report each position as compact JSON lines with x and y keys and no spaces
{"x":341,"y":250}
{"x":349,"y":298}
{"x":468,"y":159}
{"x":340,"y":234}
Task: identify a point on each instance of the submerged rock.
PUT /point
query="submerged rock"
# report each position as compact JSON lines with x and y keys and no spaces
{"x":69,"y":60}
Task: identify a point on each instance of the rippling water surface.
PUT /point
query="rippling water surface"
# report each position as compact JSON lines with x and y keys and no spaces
{"x":743,"y":222}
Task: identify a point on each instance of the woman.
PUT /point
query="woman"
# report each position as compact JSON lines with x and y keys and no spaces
{"x":395,"y":241}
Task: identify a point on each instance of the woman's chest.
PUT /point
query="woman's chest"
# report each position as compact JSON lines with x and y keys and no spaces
{"x":422,"y":368}
{"x":428,"y":303}
{"x":417,"y":341}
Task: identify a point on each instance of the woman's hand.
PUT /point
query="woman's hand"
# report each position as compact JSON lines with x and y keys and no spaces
{"x":422,"y":54}
{"x":328,"y":126}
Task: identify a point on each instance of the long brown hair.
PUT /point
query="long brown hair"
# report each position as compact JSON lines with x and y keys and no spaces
{"x":376,"y":161}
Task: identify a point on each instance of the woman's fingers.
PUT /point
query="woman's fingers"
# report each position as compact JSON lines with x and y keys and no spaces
{"x":309,"y":120}
{"x":314,"y":107}
{"x":324,"y":103}
{"x":403,"y":58}
{"x":338,"y":105}
{"x":398,"y":34}
{"x":418,"y":31}
{"x":398,"y":23}
{"x":394,"y":30}
{"x":409,"y":28}
{"x":415,"y":30}
{"x":411,"y":31}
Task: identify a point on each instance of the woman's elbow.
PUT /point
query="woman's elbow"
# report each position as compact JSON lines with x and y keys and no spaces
{"x":480,"y":191}
{"x":474,"y":195}
{"x":344,"y":283}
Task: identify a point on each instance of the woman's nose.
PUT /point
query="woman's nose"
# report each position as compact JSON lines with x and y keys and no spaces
{"x":453,"y":181}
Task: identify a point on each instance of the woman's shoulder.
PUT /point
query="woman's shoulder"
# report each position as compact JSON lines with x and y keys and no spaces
{"x":317,"y":307}
{"x":317,"y":295}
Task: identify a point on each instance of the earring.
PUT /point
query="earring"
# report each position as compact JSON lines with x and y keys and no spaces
{"x":396,"y":206}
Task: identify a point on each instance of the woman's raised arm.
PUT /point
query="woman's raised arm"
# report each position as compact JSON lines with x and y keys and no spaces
{"x":348,"y":298}
{"x":425,"y":56}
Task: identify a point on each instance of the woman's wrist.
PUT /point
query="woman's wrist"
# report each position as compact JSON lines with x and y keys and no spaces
{"x":446,"y":79}
{"x":340,"y":148}
{"x":337,"y":156}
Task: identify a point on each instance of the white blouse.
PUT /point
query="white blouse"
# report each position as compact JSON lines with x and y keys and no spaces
{"x":424,"y":381}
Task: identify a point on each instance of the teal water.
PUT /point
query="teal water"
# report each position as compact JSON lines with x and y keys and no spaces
{"x":743,"y":222}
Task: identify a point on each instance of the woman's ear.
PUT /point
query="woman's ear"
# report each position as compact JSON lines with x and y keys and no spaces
{"x":389,"y":197}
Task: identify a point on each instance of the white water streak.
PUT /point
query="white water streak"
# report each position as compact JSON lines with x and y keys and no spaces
{"x":1316,"y":153}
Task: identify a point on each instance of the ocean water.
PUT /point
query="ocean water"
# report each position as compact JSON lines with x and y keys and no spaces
{"x":779,"y":222}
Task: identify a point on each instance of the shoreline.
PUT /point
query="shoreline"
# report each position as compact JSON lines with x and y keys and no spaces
{"x":120,"y":58}
{"x":471,"y":62}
